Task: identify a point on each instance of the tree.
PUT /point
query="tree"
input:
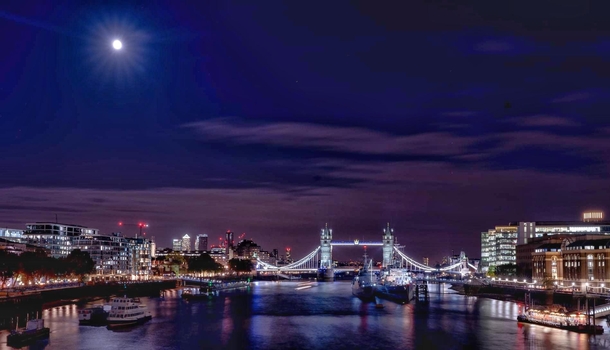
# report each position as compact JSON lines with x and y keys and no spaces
{"x":238,"y":265}
{"x":491,"y":271}
{"x":506,"y":270}
{"x":80,"y":263}
{"x":176,"y":262}
{"x":204,"y":263}
{"x":32,"y":266}
{"x":8,"y":267}
{"x":548,"y":282}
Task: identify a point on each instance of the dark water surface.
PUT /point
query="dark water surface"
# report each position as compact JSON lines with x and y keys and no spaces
{"x":310,"y":315}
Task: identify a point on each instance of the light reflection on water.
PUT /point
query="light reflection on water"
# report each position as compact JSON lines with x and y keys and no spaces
{"x":280,"y":316}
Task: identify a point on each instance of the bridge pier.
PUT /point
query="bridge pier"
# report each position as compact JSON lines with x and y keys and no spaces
{"x":326,"y":275}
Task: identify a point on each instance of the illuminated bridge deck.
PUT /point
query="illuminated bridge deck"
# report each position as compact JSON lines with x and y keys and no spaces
{"x":355,"y":242}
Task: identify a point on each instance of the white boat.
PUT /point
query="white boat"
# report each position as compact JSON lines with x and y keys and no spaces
{"x":127,"y":312}
{"x":95,"y":315}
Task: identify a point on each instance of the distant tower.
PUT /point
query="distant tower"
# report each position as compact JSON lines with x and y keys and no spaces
{"x":326,"y":253}
{"x":176,"y":244}
{"x":388,"y":246}
{"x":288,"y":257}
{"x":229,"y":241}
{"x":201,"y":242}
{"x":186,"y":243}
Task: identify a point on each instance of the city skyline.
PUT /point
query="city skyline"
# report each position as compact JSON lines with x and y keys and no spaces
{"x":276,"y":119}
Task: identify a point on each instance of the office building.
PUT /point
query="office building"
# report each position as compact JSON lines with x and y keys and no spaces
{"x":186,"y":243}
{"x":12,"y":234}
{"x":498,"y":247}
{"x":229,"y":240}
{"x":426,"y":261}
{"x":516,"y":242}
{"x":201,"y":243}
{"x":55,"y":237}
{"x":177,"y":244}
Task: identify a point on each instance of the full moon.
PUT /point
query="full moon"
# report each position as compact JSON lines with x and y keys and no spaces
{"x":117,"y":44}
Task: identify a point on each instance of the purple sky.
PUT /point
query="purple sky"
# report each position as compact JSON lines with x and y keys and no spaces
{"x":274,"y":118}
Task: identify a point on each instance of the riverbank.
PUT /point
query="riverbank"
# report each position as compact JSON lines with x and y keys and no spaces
{"x":540,"y":297}
{"x":28,"y":304}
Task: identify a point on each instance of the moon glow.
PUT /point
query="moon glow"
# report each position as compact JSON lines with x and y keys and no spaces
{"x":117,"y":44}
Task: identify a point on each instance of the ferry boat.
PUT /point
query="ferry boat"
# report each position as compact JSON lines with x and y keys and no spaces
{"x":363,"y":285}
{"x":558,"y":317}
{"x":34,"y":330}
{"x":96,"y":315}
{"x":127,"y":312}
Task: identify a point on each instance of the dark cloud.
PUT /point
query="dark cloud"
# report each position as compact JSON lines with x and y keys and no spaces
{"x":544,"y":121}
{"x":331,"y":138}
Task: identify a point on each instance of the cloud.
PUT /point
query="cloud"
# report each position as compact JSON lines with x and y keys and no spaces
{"x":425,"y":201}
{"x":544,"y":120}
{"x":332,"y":138}
{"x":574,"y":97}
{"x":592,"y":146}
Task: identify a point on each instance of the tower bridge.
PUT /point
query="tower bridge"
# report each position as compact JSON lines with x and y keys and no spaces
{"x":321,"y":259}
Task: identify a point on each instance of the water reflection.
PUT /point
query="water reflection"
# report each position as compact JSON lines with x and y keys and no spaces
{"x":280,"y":316}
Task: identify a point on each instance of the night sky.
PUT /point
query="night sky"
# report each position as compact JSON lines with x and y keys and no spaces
{"x":272,"y":118}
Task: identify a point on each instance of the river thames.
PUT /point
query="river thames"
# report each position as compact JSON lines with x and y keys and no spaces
{"x":311,"y":315}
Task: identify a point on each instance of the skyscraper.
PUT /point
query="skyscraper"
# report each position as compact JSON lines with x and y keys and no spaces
{"x":201,"y":243}
{"x":229,"y":241}
{"x":176,"y":244}
{"x":186,"y":243}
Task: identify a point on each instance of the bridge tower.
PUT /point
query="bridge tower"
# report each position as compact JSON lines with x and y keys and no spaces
{"x":326,"y":254}
{"x":388,"y":246}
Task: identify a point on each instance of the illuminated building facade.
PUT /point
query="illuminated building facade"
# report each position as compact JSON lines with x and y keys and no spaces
{"x":55,"y":237}
{"x":201,"y":243}
{"x":186,"y":243}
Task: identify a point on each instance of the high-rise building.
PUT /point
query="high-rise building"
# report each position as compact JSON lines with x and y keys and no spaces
{"x":499,"y":247}
{"x":201,"y":243}
{"x":276,"y":254}
{"x":186,"y":243}
{"x":288,"y":257}
{"x":229,"y":240}
{"x":426,"y":261}
{"x":176,"y":244}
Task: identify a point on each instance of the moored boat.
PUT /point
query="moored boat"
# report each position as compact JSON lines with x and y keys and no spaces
{"x":363,"y":285}
{"x":203,"y":294}
{"x":127,"y":312}
{"x":34,"y":330}
{"x":397,"y":286}
{"x":558,"y":317}
{"x":96,"y":315}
